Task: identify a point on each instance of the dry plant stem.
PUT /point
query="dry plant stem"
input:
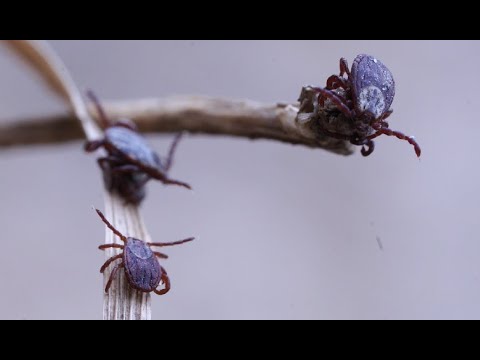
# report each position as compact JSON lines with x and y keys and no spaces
{"x":121,"y":302}
{"x":41,"y":57}
{"x":195,"y":114}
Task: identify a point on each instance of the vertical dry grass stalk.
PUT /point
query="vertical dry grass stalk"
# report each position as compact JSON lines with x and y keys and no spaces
{"x":121,"y":302}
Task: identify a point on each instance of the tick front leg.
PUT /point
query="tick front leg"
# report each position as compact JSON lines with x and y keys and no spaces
{"x":367,"y":145}
{"x":373,"y":136}
{"x":159,"y":175}
{"x":168,"y":181}
{"x":166,"y":282}
{"x":109,"y":261}
{"x":172,"y":243}
{"x":107,"y":246}
{"x":399,"y":135}
{"x":160,"y":255}
{"x":171,"y":152}
{"x":112,"y":275}
{"x":91,"y":146}
{"x":104,"y":120}
{"x":337,"y":100}
{"x":110,"y":226}
{"x":335,"y":82}
{"x":368,"y":148}
{"x":344,"y":67}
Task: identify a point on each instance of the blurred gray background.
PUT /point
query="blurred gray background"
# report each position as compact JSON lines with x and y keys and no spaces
{"x":285,"y":232}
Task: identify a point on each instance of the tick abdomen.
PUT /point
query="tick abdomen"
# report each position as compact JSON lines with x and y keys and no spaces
{"x":132,"y":144}
{"x":373,"y":85}
{"x":141,"y":266}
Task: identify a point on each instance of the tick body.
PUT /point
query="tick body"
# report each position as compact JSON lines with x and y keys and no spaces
{"x":130,"y":162}
{"x":142,"y":269}
{"x":141,"y":266}
{"x":364,"y":98}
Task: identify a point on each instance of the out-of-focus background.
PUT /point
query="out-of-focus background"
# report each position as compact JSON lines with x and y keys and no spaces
{"x":284,"y":232}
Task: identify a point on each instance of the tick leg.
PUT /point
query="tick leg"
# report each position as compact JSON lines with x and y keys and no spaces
{"x":344,"y":67}
{"x":160,"y":255}
{"x":161,"y":176}
{"x":91,"y":146}
{"x":166,"y":281}
{"x":373,"y":136}
{"x":104,"y":120}
{"x":366,"y":143}
{"x":335,"y":82}
{"x":368,"y":148}
{"x":332,"y":85}
{"x":398,"y":135}
{"x":108,"y":246}
{"x":110,"y":226}
{"x":172,"y":243}
{"x":112,"y":275}
{"x":168,"y":181}
{"x":337,"y":100}
{"x":109,"y":261}
{"x":171,"y":152}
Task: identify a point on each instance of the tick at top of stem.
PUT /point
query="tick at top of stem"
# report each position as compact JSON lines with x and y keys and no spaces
{"x":139,"y":261}
{"x":130,"y":162}
{"x":363,"y":95}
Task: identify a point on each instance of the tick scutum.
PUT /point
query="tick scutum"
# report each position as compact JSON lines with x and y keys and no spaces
{"x":141,"y":266}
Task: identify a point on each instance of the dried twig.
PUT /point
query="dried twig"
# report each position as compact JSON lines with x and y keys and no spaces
{"x":194,"y":114}
{"x":121,"y":302}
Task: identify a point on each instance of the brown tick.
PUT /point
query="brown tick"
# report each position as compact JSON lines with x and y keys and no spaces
{"x":364,"y":97}
{"x":130,"y":162}
{"x":142,"y":269}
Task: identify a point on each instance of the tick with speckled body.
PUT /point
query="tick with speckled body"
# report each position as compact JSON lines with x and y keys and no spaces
{"x":142,"y":268}
{"x":130,"y":162}
{"x":363,"y":98}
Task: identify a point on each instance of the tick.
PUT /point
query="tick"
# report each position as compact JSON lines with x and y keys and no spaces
{"x":364,"y":98}
{"x":130,"y":162}
{"x":142,"y":268}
